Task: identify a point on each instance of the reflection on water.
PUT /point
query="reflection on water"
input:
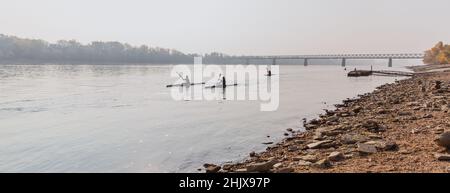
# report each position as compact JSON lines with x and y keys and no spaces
{"x":121,"y":118}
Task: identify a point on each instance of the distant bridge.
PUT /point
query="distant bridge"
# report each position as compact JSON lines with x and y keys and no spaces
{"x":343,"y":57}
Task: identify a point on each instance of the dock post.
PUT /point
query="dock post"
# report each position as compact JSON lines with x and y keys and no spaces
{"x":343,"y":62}
{"x":305,"y":62}
{"x":274,"y":61}
{"x":390,"y":62}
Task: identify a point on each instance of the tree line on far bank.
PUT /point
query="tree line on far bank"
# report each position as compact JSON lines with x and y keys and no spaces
{"x":439,"y":54}
{"x":20,"y":50}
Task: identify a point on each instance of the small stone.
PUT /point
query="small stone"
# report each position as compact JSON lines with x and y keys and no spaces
{"x":383,"y":111}
{"x":323,"y":163}
{"x":344,"y":114}
{"x":427,"y":116}
{"x":333,"y":119}
{"x":357,"y":109}
{"x":371,"y":125}
{"x":309,"y":158}
{"x":416,"y":130}
{"x":261,"y":167}
{"x":442,"y":157}
{"x":277,"y":165}
{"x":374,"y":136}
{"x":336,"y":156}
{"x":285,"y":170}
{"x":329,"y":112}
{"x":404,"y":152}
{"x":318,"y":144}
{"x":289,"y":129}
{"x":367,"y":148}
{"x":383,"y":145}
{"x":331,"y":132}
{"x":297,"y":158}
{"x":242,"y":170}
{"x":390,"y":145}
{"x":437,"y":84}
{"x":227,"y":166}
{"x":439,"y":130}
{"x":293,"y":148}
{"x":211,"y":168}
{"x":348,"y":156}
{"x":318,"y":136}
{"x":405,"y":113}
{"x":252,"y":154}
{"x":443,"y":140}
{"x":353,"y":138}
{"x":413,"y":104}
{"x":304,"y":163}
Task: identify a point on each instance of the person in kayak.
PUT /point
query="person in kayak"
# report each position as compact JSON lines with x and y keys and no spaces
{"x":269,"y":72}
{"x":224,"y":82}
{"x":187,"y":82}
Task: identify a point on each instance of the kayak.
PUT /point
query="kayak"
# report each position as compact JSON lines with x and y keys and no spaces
{"x":220,"y":86}
{"x":181,"y":85}
{"x":269,"y":75}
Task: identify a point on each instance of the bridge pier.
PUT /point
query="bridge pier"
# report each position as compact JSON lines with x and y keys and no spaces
{"x":390,"y":62}
{"x":343,"y":62}
{"x":305,"y":63}
{"x":274,"y":61}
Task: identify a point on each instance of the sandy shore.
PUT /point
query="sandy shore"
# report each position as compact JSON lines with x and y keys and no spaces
{"x":393,"y":129}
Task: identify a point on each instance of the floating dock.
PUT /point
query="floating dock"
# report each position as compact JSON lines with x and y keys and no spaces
{"x":357,"y":73}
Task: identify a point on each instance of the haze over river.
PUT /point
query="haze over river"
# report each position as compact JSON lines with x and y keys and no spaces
{"x":122,"y":118}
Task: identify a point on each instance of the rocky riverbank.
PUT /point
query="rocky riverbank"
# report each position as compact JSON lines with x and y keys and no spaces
{"x":400,"y":127}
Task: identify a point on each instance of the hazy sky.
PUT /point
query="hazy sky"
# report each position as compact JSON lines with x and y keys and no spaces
{"x":237,"y":26}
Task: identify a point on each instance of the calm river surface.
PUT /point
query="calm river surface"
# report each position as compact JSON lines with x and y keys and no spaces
{"x":122,"y":118}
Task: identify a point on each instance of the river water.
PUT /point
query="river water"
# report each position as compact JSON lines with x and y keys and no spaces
{"x":122,"y":118}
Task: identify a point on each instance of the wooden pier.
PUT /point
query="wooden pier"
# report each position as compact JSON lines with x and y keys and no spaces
{"x":357,"y":73}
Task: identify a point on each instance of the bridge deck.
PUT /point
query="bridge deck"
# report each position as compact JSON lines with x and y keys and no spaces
{"x":341,"y":56}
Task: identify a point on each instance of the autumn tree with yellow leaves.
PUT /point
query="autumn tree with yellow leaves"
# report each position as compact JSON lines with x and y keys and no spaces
{"x":439,"y":54}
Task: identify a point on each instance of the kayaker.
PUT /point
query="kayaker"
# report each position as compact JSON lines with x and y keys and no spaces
{"x":269,"y":72}
{"x":187,"y":82}
{"x":224,"y":82}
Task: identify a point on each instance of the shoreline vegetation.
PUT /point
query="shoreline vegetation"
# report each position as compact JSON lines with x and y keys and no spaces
{"x":399,"y":127}
{"x":15,"y":50}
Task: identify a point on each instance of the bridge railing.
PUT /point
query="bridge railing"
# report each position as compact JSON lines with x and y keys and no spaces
{"x":341,"y":56}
